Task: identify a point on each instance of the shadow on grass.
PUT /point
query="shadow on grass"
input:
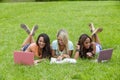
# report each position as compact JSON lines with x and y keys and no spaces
{"x":77,"y":77}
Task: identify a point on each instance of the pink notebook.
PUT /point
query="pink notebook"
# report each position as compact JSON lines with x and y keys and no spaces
{"x":25,"y":58}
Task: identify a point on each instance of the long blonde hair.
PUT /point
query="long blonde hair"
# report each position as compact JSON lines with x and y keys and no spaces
{"x":64,"y":35}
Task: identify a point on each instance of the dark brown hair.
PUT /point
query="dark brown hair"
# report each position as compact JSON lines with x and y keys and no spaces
{"x":83,"y":50}
{"x":46,"y":52}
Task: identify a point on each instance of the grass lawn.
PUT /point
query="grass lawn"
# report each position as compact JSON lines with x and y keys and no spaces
{"x":51,"y":16}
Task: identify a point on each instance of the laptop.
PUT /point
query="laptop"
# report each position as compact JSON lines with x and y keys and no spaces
{"x":105,"y":55}
{"x":25,"y":58}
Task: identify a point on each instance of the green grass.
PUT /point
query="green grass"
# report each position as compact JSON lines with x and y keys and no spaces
{"x":52,"y":16}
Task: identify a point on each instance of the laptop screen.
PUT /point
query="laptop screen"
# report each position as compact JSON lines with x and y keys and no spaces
{"x":105,"y":55}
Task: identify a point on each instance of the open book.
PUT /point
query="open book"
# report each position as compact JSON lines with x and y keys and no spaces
{"x":65,"y":60}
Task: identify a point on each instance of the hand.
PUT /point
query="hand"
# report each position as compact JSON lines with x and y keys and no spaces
{"x":59,"y":58}
{"x":89,"y":54}
{"x":37,"y":61}
{"x":65,"y":55}
{"x":78,"y":47}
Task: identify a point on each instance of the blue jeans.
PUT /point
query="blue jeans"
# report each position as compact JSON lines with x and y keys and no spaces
{"x":25,"y":47}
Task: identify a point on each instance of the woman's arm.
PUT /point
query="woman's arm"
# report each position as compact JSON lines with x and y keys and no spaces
{"x":38,"y":61}
{"x":94,"y":48}
{"x":53,"y":53}
{"x":77,"y":52}
{"x":92,"y":53}
{"x":76,"y":55}
{"x":65,"y":56}
{"x":70,"y":53}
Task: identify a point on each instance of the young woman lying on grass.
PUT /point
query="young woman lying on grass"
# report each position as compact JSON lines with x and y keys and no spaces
{"x":88,"y":46}
{"x":62,"y":47}
{"x":40,"y":48}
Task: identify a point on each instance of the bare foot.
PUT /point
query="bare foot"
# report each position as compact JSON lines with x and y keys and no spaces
{"x":92,"y":28}
{"x":25,"y":28}
{"x":34,"y":29}
{"x":97,"y":31}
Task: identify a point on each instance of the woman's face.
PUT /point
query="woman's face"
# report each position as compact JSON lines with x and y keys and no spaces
{"x":87,"y":43}
{"x":60,"y":41}
{"x":41,"y":42}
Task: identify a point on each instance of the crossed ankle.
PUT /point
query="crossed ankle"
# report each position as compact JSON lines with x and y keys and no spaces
{"x":34,"y":29}
{"x":25,"y":28}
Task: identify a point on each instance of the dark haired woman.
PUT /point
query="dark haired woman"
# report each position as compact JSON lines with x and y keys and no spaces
{"x":88,"y":46}
{"x":40,"y":48}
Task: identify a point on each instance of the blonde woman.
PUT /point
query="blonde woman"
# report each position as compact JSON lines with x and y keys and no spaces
{"x":62,"y":47}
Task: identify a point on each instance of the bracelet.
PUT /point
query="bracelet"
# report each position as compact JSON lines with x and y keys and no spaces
{"x":77,"y":50}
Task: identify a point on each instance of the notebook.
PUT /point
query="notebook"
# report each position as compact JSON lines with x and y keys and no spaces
{"x":105,"y":55}
{"x":25,"y":58}
{"x":66,"y":60}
